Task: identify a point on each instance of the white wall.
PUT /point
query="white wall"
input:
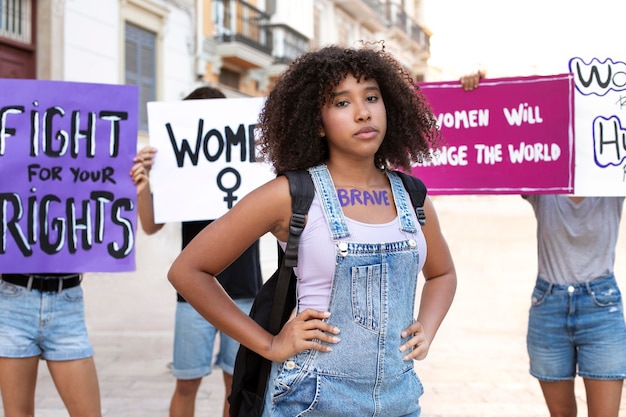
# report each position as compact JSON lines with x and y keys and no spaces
{"x":91,"y":41}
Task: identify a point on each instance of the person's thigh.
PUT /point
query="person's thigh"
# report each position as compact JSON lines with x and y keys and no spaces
{"x":560,"y":397}
{"x":77,"y":383}
{"x":603,"y":397}
{"x":18,"y":378}
{"x":193,"y":343}
{"x":229,"y":346}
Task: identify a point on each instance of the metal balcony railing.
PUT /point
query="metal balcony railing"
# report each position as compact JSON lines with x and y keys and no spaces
{"x":399,"y":19}
{"x":377,"y":7}
{"x":288,"y":43}
{"x":238,"y":21}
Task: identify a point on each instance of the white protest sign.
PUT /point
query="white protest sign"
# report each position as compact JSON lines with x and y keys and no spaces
{"x":206,"y":159}
{"x":600,"y":126}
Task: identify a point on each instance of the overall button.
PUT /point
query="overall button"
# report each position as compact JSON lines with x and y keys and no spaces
{"x":290,"y":365}
{"x":571,"y":289}
{"x":412,"y":243}
{"x":342,"y":247}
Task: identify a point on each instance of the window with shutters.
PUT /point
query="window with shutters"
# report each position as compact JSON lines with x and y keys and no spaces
{"x":16,"y":20}
{"x":140,"y":67}
{"x":230,"y":78}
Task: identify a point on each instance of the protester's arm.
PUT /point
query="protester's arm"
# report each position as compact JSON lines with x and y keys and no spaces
{"x":141,"y":176}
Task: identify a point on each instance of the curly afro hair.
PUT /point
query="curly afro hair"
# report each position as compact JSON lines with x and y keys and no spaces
{"x":290,"y":121}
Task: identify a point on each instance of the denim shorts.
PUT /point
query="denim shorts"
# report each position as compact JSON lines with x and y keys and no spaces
{"x":46,"y":324}
{"x":577,"y":328}
{"x":194,"y":339}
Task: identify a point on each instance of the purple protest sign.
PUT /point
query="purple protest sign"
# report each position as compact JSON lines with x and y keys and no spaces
{"x":509,"y":136}
{"x":67,"y":202}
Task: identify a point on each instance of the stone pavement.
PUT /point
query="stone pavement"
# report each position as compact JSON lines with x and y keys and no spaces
{"x":477,"y":366}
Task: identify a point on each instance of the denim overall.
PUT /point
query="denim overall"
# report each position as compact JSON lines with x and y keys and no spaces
{"x":372,"y":300}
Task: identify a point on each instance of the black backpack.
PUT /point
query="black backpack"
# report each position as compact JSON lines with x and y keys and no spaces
{"x":276,"y":299}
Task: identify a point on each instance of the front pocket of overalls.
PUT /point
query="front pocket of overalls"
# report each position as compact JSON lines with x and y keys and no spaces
{"x":366,"y":295}
{"x":295,"y":389}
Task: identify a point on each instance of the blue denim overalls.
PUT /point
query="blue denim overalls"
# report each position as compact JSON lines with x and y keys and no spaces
{"x":372,"y":300}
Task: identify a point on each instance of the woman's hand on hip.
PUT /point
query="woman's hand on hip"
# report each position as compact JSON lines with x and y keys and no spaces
{"x":307,"y":330}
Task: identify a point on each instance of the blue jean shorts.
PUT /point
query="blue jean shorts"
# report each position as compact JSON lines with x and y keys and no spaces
{"x":577,"y":328}
{"x":46,"y":324}
{"x":194,"y":340}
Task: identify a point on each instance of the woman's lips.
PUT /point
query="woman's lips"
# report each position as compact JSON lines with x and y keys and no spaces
{"x":366,"y":133}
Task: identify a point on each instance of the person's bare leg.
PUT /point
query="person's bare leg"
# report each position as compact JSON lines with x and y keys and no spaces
{"x":183,"y":403}
{"x":77,"y":383}
{"x":560,"y":398}
{"x":228,"y":384}
{"x":18,"y":378}
{"x":603,"y":397}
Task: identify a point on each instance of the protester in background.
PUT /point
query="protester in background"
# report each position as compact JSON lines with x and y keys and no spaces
{"x":194,"y":337}
{"x":349,"y":116}
{"x":576,"y":320}
{"x":42,"y":317}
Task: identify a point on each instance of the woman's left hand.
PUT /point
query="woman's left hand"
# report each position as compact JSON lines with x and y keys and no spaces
{"x":418,"y":343}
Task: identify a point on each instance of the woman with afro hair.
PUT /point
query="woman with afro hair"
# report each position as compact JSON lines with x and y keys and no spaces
{"x":349,"y":116}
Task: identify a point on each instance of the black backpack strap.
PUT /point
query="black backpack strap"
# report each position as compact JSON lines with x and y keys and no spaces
{"x":302,"y":191}
{"x":417,"y":192}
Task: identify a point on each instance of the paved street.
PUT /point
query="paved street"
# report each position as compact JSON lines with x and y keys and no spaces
{"x":477,"y":365}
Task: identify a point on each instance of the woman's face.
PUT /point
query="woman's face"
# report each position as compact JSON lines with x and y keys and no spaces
{"x":354,"y":119}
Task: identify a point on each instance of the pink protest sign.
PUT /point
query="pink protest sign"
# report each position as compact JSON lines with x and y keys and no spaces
{"x":508,"y":136}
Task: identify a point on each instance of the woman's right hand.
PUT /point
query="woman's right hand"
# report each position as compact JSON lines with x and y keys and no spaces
{"x":307,"y":330}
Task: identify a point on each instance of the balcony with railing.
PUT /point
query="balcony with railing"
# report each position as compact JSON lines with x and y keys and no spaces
{"x":399,"y":20}
{"x":370,"y":13}
{"x":243,"y":33}
{"x":246,"y":38}
{"x":288,"y":43}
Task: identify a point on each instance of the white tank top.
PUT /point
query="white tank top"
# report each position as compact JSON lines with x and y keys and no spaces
{"x":316,"y":253}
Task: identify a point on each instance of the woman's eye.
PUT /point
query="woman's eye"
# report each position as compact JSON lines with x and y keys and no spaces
{"x":372,"y":98}
{"x":341,"y":103}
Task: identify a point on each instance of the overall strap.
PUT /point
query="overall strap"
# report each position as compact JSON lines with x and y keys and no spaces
{"x":331,"y":207}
